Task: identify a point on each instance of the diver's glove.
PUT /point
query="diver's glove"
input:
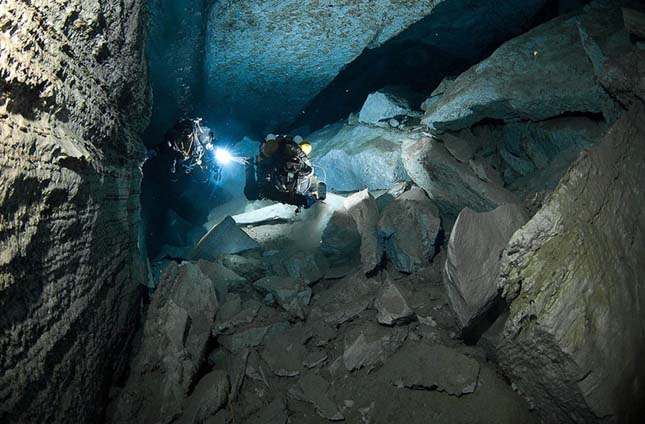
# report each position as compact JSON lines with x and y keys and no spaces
{"x":310,"y":200}
{"x":151,"y":154}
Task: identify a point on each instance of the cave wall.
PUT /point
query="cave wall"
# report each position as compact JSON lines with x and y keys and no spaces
{"x":73,"y":101}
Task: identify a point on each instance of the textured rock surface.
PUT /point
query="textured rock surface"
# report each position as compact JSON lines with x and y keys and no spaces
{"x":451,"y":184}
{"x":268,"y":47}
{"x":538,"y":75}
{"x":409,"y":227}
{"x":72,"y":103}
{"x":573,"y":343}
{"x":356,"y":157}
{"x":618,"y":61}
{"x":384,"y":104}
{"x":226,"y":238}
{"x":173,"y":347}
{"x":472,"y":266}
{"x":363,"y":208}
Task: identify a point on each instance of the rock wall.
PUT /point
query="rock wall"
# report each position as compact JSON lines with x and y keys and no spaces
{"x":574,"y":340}
{"x":73,"y":100}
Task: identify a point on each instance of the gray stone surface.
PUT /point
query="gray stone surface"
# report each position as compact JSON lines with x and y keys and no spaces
{"x":573,"y":275}
{"x":304,"y":267}
{"x":437,"y":367}
{"x":250,"y":268}
{"x":223,"y":279}
{"x":472,"y":267}
{"x":384,"y":104}
{"x":209,"y":396}
{"x":313,"y":389}
{"x":538,"y":75}
{"x":617,"y":60}
{"x":391,"y":306}
{"x":451,"y":184}
{"x":225,"y":238}
{"x":409,"y":227}
{"x":290,"y":293}
{"x":173,"y":347}
{"x":369,"y":345}
{"x":356,"y":157}
{"x":313,"y":45}
{"x":74,"y":102}
{"x":363,"y":208}
{"x":341,"y":241}
{"x":346,"y":299}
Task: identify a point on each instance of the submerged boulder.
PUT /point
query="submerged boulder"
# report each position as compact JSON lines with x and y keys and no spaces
{"x":225,"y":238}
{"x":363,"y":208}
{"x":341,"y":240}
{"x":385,"y":104}
{"x":472,"y":267}
{"x":451,"y":184}
{"x":173,"y":348}
{"x":409,"y":227}
{"x":618,"y":58}
{"x":538,"y":75}
{"x":356,"y":157}
{"x":573,"y":343}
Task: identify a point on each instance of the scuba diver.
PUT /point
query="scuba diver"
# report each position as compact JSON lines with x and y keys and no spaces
{"x":283,"y":172}
{"x":188,"y":147}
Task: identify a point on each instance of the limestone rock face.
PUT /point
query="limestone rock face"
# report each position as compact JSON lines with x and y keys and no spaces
{"x":384,"y":104}
{"x":173,"y":347}
{"x":472,"y":267}
{"x":73,"y":100}
{"x":294,"y":47}
{"x":356,"y":157}
{"x":363,"y":208}
{"x":573,"y":343}
{"x":409,"y":227}
{"x":618,"y":59}
{"x":538,"y":75}
{"x":451,"y":184}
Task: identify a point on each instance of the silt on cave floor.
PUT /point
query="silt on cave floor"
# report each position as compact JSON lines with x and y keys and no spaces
{"x":478,"y":258}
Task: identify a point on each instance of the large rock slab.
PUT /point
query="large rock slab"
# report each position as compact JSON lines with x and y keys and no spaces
{"x":472,"y":266}
{"x":243,"y":40}
{"x":573,"y":343}
{"x":341,"y":241}
{"x":385,"y":104}
{"x":423,"y":367}
{"x":225,"y":238}
{"x":409,"y":227}
{"x":313,"y":389}
{"x":356,"y":157}
{"x":173,"y":348}
{"x":363,"y":208}
{"x":538,"y":75}
{"x":618,"y":59}
{"x":451,"y":184}
{"x":391,"y":306}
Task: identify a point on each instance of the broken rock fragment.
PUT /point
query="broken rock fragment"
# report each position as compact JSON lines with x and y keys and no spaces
{"x":363,"y":208}
{"x":371,"y":344}
{"x":472,"y":267}
{"x":421,"y":366}
{"x":391,"y":306}
{"x":313,"y":389}
{"x":409,"y":227}
{"x":223,"y":239}
{"x":289,"y":292}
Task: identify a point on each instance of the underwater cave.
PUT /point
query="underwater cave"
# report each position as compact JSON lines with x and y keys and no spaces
{"x":282,"y":211}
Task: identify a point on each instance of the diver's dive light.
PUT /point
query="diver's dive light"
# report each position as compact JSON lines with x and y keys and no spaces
{"x":223,"y":156}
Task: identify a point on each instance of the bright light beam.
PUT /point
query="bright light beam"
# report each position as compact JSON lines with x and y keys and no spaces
{"x":222,"y":156}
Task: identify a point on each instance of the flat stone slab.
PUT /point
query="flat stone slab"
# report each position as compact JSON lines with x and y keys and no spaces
{"x":224,"y":239}
{"x":421,"y":366}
